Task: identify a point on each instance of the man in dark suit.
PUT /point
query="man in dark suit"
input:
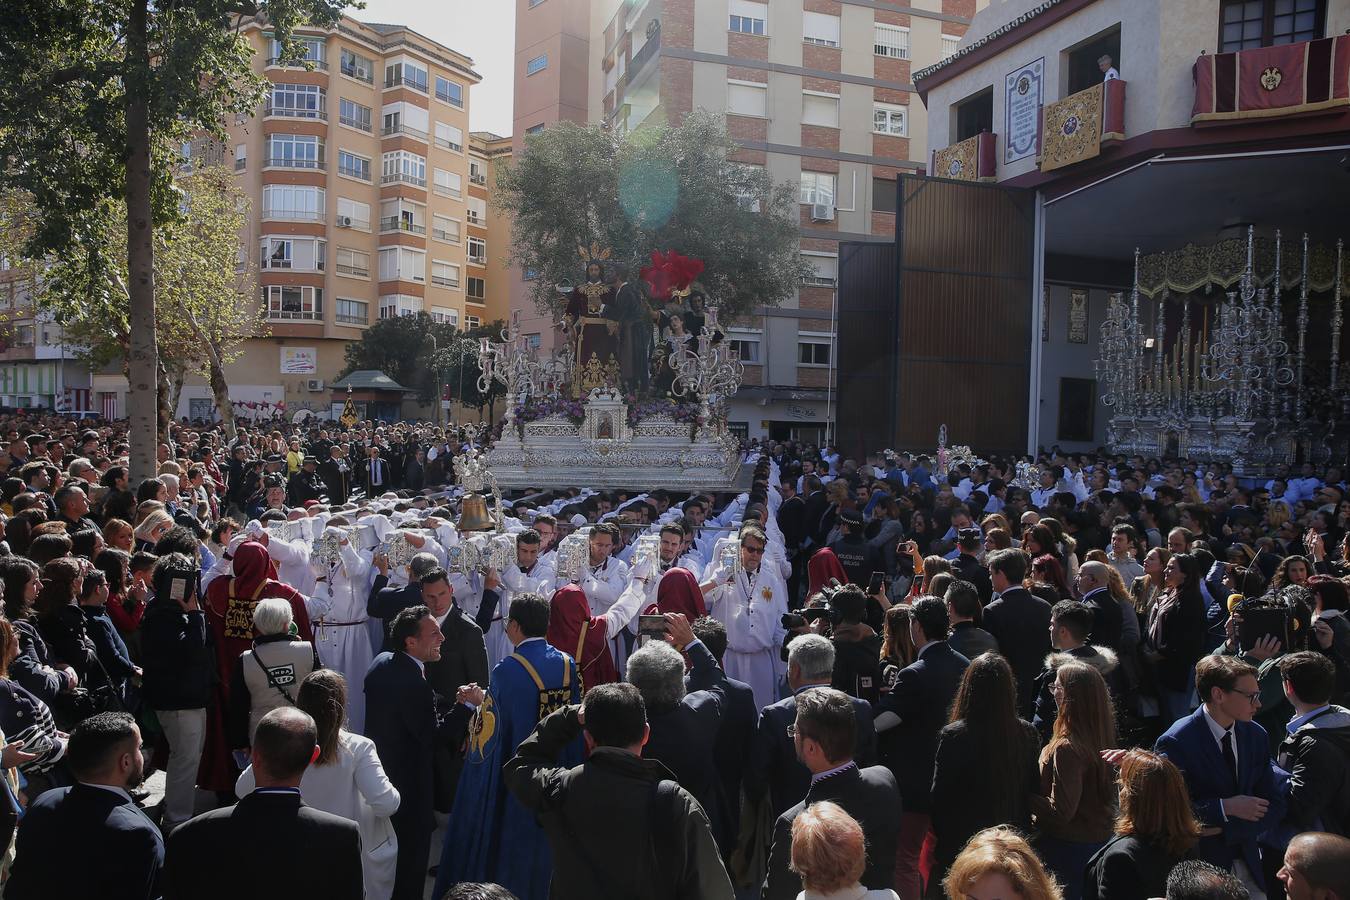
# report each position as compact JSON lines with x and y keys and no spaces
{"x":375,"y":473}
{"x":740,"y":715}
{"x":91,"y":840}
{"x":385,"y":602}
{"x":823,"y":734}
{"x":967,"y":565}
{"x":919,"y":702}
{"x":1225,"y":757}
{"x":1020,"y":622}
{"x":792,"y":523}
{"x":336,"y":473}
{"x":774,"y":764}
{"x":1108,"y":621}
{"x":257,"y":847}
{"x":402,"y":720}
{"x":817,"y":505}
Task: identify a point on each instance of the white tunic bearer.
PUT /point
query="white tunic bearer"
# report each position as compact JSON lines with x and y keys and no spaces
{"x":539,"y":580}
{"x":751,"y":606}
{"x":603,"y":584}
{"x":341,"y":636}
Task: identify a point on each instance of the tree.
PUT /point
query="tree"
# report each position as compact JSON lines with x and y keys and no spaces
{"x":95,"y":95}
{"x":666,"y":188}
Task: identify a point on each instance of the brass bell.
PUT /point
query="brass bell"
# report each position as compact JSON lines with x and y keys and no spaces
{"x":473,"y":514}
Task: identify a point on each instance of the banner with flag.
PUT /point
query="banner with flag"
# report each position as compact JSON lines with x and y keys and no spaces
{"x":1264,"y":82}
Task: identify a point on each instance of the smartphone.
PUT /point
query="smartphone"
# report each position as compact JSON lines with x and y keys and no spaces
{"x":651,"y":626}
{"x":874,"y":586}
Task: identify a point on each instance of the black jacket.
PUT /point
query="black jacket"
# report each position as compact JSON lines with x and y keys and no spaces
{"x":33,"y":668}
{"x":968,"y":568}
{"x":1103,"y":659}
{"x":735,"y":733}
{"x":792,"y":522}
{"x":922,"y":697}
{"x":1317,"y":758}
{"x":615,"y":832}
{"x":1107,"y":619}
{"x":773,"y":757}
{"x":85,"y":841}
{"x":869,"y":796}
{"x":1128,"y":868}
{"x":268,"y":846}
{"x":177,"y":656}
{"x":970,"y":640}
{"x":304,"y":486}
{"x":339,"y":483}
{"x":858,"y":559}
{"x":1021,"y":625}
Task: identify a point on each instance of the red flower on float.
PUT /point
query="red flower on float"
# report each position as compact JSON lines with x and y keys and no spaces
{"x":670,"y":274}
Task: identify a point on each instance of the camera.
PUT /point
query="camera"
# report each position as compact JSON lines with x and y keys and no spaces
{"x":1285,"y":615}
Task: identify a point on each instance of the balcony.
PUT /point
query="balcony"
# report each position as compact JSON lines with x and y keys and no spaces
{"x":446,"y":144}
{"x":408,"y":130}
{"x":290,"y":162}
{"x":358,"y":124}
{"x":1079,"y":126}
{"x":1273,"y":82}
{"x":477,"y":178}
{"x":478,"y":260}
{"x":306,"y":64}
{"x":360,"y":173}
{"x":403,"y":178}
{"x":649,"y":50}
{"x":443,"y":191}
{"x":291,"y":112}
{"x":449,"y":237}
{"x":391,"y":81}
{"x":973,"y":159}
{"x":475,"y":219}
{"x":390,"y":224}
{"x":360,"y":73}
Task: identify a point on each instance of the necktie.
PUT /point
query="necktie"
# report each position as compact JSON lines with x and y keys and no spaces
{"x":374,"y":478}
{"x":1229,"y":758}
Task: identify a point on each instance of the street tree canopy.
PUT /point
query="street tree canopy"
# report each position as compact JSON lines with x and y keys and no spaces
{"x":662,"y":188}
{"x":413,"y":349}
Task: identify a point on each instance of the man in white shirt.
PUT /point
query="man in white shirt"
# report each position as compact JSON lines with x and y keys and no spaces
{"x":1109,"y":72}
{"x":750,"y":602}
{"x":603,"y":580}
{"x":529,"y":574}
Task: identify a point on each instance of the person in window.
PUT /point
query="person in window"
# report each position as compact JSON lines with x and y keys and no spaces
{"x":1109,"y":71}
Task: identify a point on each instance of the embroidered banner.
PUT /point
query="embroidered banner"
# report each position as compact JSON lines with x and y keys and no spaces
{"x":1072,"y":130}
{"x":1283,"y":80}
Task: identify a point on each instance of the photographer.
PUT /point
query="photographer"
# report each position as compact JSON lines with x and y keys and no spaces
{"x":1260,"y":632}
{"x":857,"y":647}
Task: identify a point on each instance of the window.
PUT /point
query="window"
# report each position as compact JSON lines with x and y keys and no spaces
{"x":354,"y":115}
{"x":824,"y":270}
{"x":472,"y":322}
{"x":445,"y":316}
{"x":820,"y":110}
{"x":406,"y":73}
{"x":292,"y":201}
{"x":477,"y":289}
{"x":301,"y":254}
{"x":747,"y":99}
{"x":311,"y":51}
{"x":392,"y":305}
{"x":1082,"y":66}
{"x":403,"y":264}
{"x":538,"y":64}
{"x":477,"y":251}
{"x":883,"y":195}
{"x":444,"y":274}
{"x":353,"y":166}
{"x":355,"y":263}
{"x":402,"y":214}
{"x":891,"y":40}
{"x":448,"y":91}
{"x":352,"y":214}
{"x":449,"y":137}
{"x":975,"y":115}
{"x":405,"y":118}
{"x":534,"y":341}
{"x":949,"y":44}
{"x":293,"y":301}
{"x":447,"y":184}
{"x":352,"y":312}
{"x":813,"y":353}
{"x":746,"y":348}
{"x":476,"y":173}
{"x":240,"y":156}
{"x":819,"y":28}
{"x":535,"y":129}
{"x":444,"y":228}
{"x":401,"y":165}
{"x":748,"y":194}
{"x":818,"y":187}
{"x":294,"y":151}
{"x":476,"y":211}
{"x":1262,"y":23}
{"x":298,"y":101}
{"x":748,"y":17}
{"x":354,"y":65}
{"x":890,"y":119}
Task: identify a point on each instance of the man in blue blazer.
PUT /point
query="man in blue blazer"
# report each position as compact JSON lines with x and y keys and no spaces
{"x":1225,"y":757}
{"x":91,"y":840}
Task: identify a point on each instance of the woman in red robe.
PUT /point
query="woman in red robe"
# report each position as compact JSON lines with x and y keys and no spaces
{"x":230,"y":600}
{"x":573,"y":630}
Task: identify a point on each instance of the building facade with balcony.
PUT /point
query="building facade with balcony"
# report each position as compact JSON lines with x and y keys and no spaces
{"x":37,"y":368}
{"x":489,"y":297}
{"x":818,"y":93}
{"x":1051,"y":167}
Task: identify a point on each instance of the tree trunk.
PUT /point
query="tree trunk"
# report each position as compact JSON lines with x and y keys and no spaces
{"x":220,"y":389}
{"x":163,"y":405}
{"x":143,"y":353}
{"x":176,"y":392}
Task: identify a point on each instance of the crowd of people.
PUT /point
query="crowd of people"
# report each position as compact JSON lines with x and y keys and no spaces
{"x":1091,"y":677}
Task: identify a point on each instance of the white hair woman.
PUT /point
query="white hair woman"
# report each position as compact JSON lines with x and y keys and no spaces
{"x":830,"y":854}
{"x":268,"y":675}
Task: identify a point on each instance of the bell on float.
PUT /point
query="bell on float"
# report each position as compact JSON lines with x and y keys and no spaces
{"x":473,"y":514}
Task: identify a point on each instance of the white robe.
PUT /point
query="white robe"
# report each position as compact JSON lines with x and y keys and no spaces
{"x":603,"y":584}
{"x":753,"y":616}
{"x":539,"y":580}
{"x":344,"y":645}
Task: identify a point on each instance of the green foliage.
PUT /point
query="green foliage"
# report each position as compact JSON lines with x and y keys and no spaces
{"x":667,"y":188}
{"x":402,"y":348}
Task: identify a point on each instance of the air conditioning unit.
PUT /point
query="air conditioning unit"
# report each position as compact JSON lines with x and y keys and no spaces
{"x":822,"y":212}
{"x":361,"y":72}
{"x":344,"y":221}
{"x":314,"y":384}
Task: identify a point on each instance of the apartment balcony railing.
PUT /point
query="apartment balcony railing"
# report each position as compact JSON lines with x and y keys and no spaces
{"x":397,"y":223}
{"x":320,"y":64}
{"x":478,"y":178}
{"x":391,"y":82}
{"x":1273,"y":82}
{"x":405,"y":178}
{"x":408,"y":130}
{"x":291,"y":112}
{"x":290,"y":162}
{"x":360,"y":73}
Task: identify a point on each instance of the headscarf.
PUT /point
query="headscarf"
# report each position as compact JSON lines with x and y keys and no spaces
{"x":573,"y":630}
{"x":821,"y":568}
{"x":231,"y":598}
{"x":678,"y":592}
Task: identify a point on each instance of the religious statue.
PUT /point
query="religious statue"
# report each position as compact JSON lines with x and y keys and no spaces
{"x":635,"y":316}
{"x":593,"y":329}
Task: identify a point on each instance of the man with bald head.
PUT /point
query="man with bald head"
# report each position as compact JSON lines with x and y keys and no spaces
{"x":1094,"y":587}
{"x":1317,"y":867}
{"x":258,"y":847}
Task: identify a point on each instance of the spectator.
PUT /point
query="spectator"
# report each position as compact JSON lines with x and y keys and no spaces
{"x":998,"y":862}
{"x":117,"y":852}
{"x":965,"y":613}
{"x":1155,"y":830}
{"x":1317,"y":867}
{"x":113,"y":658}
{"x":1331,"y":605}
{"x":829,"y":852}
{"x":857,"y":648}
{"x":897,"y":647}
{"x":1019,"y":622}
{"x":824,"y":734}
{"x":1047,"y":580}
{"x":1316,"y":747}
{"x":1175,"y":637}
{"x":1094,"y":586}
{"x":262,"y":681}
{"x":269,"y":827}
{"x":1148,"y":587}
{"x":1075,"y":815}
{"x":1069,"y":624}
{"x":1195,"y":879}
{"x":26,"y":718}
{"x":32,"y":666}
{"x":62,"y":625}
{"x":967,"y":566}
{"x":984,"y":772}
{"x":346,"y":779}
{"x":665,"y":834}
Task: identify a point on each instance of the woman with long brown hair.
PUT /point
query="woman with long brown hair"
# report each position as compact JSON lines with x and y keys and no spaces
{"x":998,"y":862}
{"x":1155,"y":830}
{"x":1047,"y":579}
{"x":1076,"y":812}
{"x":1147,"y":587}
{"x":985,"y":770}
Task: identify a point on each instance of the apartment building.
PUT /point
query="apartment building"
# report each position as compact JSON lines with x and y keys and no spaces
{"x":37,"y":368}
{"x":488,"y":291}
{"x":357,"y":167}
{"x":817,"y":92}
